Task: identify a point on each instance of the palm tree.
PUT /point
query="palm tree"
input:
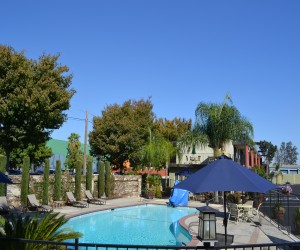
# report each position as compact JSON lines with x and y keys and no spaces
{"x":192,"y":138}
{"x":216,"y":124}
{"x":221,"y":123}
{"x":277,"y":174}
{"x":47,"y":228}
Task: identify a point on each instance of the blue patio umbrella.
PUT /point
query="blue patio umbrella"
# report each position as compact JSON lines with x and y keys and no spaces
{"x":5,"y":179}
{"x":225,"y":175}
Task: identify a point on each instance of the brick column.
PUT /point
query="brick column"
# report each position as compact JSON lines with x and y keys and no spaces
{"x":247,"y":156}
{"x":252,"y":158}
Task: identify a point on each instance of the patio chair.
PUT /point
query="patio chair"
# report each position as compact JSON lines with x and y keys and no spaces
{"x":248,"y":213}
{"x":33,"y":204}
{"x":4,"y":207}
{"x":92,"y":199}
{"x":73,"y":202}
{"x":249,"y":202}
{"x":104,"y":198}
{"x":235,"y":212}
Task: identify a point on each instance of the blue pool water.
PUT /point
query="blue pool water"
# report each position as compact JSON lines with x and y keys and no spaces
{"x":138,"y":225}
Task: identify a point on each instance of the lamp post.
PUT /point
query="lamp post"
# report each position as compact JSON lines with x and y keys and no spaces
{"x":207,"y":226}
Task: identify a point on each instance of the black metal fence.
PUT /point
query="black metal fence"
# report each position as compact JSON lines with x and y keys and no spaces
{"x":12,"y":244}
{"x":270,"y":206}
{"x":268,"y":203}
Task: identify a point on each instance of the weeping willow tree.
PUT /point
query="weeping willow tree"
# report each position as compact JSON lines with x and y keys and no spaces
{"x":157,"y":152}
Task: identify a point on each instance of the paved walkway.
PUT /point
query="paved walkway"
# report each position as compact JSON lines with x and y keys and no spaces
{"x":260,"y":230}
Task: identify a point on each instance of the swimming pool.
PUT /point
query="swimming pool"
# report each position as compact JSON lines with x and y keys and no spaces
{"x":136,"y":225}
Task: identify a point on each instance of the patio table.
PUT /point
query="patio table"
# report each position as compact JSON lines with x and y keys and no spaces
{"x":247,"y":211}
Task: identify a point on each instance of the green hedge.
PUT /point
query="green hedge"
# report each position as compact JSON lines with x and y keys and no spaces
{"x":25,"y":180}
{"x":45,"y":198}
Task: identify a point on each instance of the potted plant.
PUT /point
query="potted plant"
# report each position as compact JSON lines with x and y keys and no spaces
{"x":149,"y":194}
{"x":278,"y":211}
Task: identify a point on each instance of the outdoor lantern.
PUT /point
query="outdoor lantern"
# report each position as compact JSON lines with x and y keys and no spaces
{"x":207,"y":225}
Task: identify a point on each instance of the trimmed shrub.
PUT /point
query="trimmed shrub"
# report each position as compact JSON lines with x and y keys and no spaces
{"x":3,"y":170}
{"x":108,"y":191}
{"x":57,"y":182}
{"x":101,"y":178}
{"x":78,"y":180}
{"x":25,"y":180}
{"x":46,"y":182}
{"x":89,"y":176}
{"x":157,"y":192}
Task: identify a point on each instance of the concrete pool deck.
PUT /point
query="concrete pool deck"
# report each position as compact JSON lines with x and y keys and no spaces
{"x":260,"y":230}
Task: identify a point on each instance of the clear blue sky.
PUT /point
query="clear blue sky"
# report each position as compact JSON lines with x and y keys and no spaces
{"x":178,"y":52}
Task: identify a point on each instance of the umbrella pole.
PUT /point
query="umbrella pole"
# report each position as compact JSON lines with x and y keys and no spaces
{"x":225,"y":218}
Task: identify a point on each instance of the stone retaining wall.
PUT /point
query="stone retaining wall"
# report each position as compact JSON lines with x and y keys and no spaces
{"x":124,"y":186}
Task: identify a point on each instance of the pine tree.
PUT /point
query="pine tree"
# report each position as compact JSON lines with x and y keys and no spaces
{"x":74,"y":153}
{"x":57,"y":182}
{"x":46,"y":182}
{"x":25,"y":180}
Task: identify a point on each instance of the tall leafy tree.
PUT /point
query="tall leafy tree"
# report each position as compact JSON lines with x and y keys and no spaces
{"x":74,"y":154}
{"x":33,"y":97}
{"x":36,"y":153}
{"x":221,"y":123}
{"x":121,"y":131}
{"x":287,"y":154}
{"x":171,"y":130}
{"x":267,"y":150}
